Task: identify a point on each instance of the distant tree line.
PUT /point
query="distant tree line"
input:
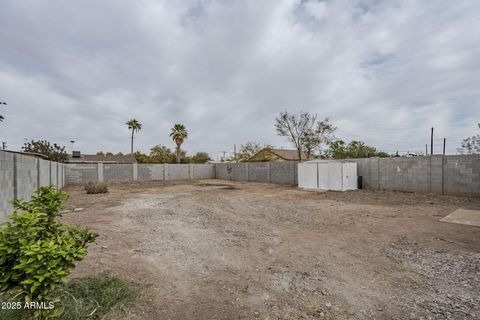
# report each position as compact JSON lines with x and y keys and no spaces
{"x":315,"y":138}
{"x":338,"y":149}
{"x":162,"y":154}
{"x":307,"y":134}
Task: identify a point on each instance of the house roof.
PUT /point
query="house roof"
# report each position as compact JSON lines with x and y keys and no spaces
{"x":285,"y":154}
{"x":93,"y":158}
{"x":29,"y":154}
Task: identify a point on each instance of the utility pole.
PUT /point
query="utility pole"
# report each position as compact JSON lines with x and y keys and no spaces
{"x":431,"y":143}
{"x":235,"y":152}
{"x":4,"y":145}
{"x":444,"y":143}
{"x":426,"y":149}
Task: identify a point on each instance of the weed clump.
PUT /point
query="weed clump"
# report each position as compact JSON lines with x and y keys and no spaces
{"x":93,"y":188}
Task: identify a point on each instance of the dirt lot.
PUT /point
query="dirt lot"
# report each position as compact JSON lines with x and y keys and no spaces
{"x":223,"y":250}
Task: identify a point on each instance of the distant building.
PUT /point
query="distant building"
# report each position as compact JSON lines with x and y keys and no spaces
{"x":270,"y":154}
{"x":77,"y":157}
{"x":28,"y":154}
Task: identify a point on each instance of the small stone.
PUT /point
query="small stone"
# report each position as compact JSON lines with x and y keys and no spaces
{"x":321,"y":315}
{"x":77,"y":209}
{"x":328,"y":305}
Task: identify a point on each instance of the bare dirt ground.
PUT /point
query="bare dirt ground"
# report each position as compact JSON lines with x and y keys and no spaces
{"x":229,"y":250}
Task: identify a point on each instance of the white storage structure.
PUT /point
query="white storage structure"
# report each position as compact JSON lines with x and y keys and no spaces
{"x":338,"y":175}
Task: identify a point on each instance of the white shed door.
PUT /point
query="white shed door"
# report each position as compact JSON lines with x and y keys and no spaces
{"x":350,"y":176}
{"x":307,"y":175}
{"x":323,"y":175}
{"x":335,"y":176}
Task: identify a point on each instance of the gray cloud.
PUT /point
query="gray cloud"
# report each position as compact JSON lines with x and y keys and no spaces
{"x":383,"y":71}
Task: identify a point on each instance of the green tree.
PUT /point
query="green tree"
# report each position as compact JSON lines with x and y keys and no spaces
{"x":200,"y":157}
{"x":358,"y":149}
{"x":100,"y":153}
{"x":338,"y":149}
{"x":470,"y":145}
{"x":53,"y":152}
{"x":162,"y":154}
{"x":135,"y":126}
{"x":249,"y":149}
{"x":179,"y":134}
{"x":141,"y":157}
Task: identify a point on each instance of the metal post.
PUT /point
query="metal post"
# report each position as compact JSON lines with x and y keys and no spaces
{"x":431,"y":143}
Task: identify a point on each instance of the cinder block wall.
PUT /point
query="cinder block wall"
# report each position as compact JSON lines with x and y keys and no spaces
{"x":449,"y":175}
{"x":150,"y":172}
{"x":269,"y":172}
{"x":117,"y":172}
{"x":80,"y":173}
{"x":83,"y":173}
{"x":7,"y":191}
{"x":21,"y":175}
{"x":203,"y":171}
{"x":25,"y":170}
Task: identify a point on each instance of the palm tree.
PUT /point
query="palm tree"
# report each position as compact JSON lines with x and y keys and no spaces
{"x":1,"y":117}
{"x":135,"y":126}
{"x":179,"y":134}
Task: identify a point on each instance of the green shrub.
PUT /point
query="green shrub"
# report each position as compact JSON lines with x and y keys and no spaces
{"x":93,"y":188}
{"x":37,"y":252}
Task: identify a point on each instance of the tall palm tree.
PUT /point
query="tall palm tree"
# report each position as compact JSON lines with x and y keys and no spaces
{"x":135,"y":126}
{"x":1,"y":117}
{"x":179,"y":134}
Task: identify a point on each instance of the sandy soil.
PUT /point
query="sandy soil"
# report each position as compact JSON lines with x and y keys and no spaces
{"x":224,"y":250}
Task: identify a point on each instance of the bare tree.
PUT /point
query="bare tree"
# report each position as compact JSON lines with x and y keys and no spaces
{"x":470,"y":145}
{"x":249,"y":149}
{"x":304,"y":131}
{"x":321,"y":133}
{"x":296,"y":127}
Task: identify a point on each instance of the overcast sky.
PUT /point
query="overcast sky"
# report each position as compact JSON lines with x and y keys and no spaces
{"x":384,"y":72}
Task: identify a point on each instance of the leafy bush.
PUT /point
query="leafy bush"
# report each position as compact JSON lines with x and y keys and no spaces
{"x":93,"y":188}
{"x":36,"y":251}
